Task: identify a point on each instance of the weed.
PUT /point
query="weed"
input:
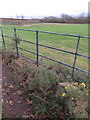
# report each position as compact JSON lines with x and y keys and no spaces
{"x":76,"y":98}
{"x":40,"y":83}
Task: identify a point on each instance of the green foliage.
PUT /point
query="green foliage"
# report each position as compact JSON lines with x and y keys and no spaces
{"x":8,"y":55}
{"x":40,"y":85}
{"x":42,"y":89}
{"x":44,"y":78}
{"x":74,"y":97}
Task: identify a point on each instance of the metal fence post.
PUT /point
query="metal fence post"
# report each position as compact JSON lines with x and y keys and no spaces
{"x":37,"y":48}
{"x":3,"y":38}
{"x":16,"y":42}
{"x":75,"y":56}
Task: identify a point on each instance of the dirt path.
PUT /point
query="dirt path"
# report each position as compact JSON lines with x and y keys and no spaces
{"x":14,"y":103}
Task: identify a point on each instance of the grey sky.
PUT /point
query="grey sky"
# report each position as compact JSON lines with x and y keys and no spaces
{"x":10,"y":8}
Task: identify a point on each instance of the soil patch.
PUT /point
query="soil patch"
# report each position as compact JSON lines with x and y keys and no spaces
{"x":27,"y":25}
{"x":14,"y":103}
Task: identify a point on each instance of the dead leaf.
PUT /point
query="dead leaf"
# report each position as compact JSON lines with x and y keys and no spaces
{"x":32,"y":116}
{"x":25,"y":116}
{"x":19,"y":92}
{"x":41,"y":88}
{"x":14,"y":93}
{"x":29,"y":102}
{"x":11,"y":102}
{"x":10,"y":86}
{"x":6,"y":101}
{"x":2,"y":100}
{"x":19,"y":102}
{"x":5,"y":84}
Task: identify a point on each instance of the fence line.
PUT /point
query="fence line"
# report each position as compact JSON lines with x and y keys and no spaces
{"x":47,"y":32}
{"x":37,"y":47}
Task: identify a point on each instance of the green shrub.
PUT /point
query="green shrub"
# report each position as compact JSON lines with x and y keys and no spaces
{"x":74,"y":96}
{"x":40,"y":83}
{"x":8,"y":55}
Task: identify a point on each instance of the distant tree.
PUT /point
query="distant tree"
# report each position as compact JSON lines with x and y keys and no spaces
{"x":65,"y":18}
{"x":63,"y":15}
{"x":17,"y":17}
{"x":82,"y":15}
{"x":22,"y":17}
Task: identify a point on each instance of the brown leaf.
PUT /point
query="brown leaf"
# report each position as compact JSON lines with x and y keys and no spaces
{"x":14,"y":93}
{"x":19,"y":92}
{"x":29,"y":102}
{"x":25,"y":116}
{"x":6,"y":101}
{"x":32,"y":116}
{"x":11,"y":102}
{"x":19,"y":102}
{"x":2,"y":100}
{"x":41,"y":88}
{"x":10,"y":86}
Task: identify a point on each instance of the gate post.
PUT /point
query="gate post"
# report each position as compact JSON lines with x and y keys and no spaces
{"x":75,"y":56}
{"x":37,"y":48}
{"x":3,"y":38}
{"x":16,"y":42}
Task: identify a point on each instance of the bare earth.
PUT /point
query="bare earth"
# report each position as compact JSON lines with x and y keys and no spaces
{"x":14,"y":103}
{"x":29,"y":25}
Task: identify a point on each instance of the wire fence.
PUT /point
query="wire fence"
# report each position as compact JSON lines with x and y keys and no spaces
{"x":13,"y":35}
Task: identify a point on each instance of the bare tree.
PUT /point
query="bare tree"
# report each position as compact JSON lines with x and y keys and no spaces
{"x":63,"y":15}
{"x":22,"y":17}
{"x":17,"y":16}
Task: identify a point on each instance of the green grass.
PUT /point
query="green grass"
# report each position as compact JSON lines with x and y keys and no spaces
{"x":58,"y":41}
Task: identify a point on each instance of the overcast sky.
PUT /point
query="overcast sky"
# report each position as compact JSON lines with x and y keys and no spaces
{"x":10,"y":8}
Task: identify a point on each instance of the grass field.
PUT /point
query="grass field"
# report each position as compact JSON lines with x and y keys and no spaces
{"x":62,"y":42}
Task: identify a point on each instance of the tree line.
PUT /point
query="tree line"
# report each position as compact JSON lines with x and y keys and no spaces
{"x":65,"y":18}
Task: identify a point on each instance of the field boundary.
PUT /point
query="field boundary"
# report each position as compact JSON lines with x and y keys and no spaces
{"x":16,"y":39}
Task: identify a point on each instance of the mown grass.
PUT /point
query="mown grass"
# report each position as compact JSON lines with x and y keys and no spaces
{"x":57,"y":41}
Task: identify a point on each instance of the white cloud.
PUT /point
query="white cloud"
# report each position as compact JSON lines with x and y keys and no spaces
{"x":42,"y":7}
